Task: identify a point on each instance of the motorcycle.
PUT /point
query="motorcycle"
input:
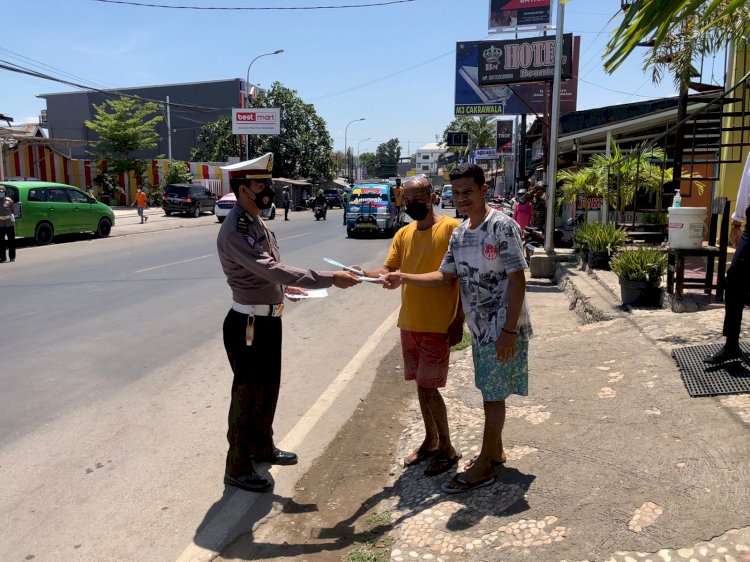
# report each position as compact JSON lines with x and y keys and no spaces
{"x":319,"y":212}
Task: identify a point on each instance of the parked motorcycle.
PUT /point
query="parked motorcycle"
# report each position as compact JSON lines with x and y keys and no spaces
{"x":319,"y":211}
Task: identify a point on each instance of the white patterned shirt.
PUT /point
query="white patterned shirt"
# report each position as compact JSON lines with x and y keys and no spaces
{"x":482,"y":258}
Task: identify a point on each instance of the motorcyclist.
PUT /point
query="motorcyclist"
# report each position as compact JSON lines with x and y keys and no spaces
{"x":320,"y":201}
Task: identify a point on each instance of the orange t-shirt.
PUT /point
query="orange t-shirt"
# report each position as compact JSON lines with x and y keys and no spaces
{"x":140,"y":200}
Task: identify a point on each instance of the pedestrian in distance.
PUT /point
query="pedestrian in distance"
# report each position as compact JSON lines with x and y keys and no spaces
{"x":398,"y":196}
{"x":259,"y":281}
{"x":485,"y":253}
{"x":737,"y":281}
{"x":285,"y":200}
{"x":430,"y":319}
{"x":523,"y":209}
{"x":141,"y":202}
{"x":7,"y":227}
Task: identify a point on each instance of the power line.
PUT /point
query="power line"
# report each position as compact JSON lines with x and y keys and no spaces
{"x":257,"y":8}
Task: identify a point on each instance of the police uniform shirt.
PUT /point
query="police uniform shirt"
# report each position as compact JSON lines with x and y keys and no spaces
{"x":250,"y":257}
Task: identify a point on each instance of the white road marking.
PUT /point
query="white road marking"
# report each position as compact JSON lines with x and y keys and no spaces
{"x":295,"y":236}
{"x":174,"y":263}
{"x":236,"y":506}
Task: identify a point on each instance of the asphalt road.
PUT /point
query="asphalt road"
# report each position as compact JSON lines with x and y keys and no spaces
{"x":115,"y":384}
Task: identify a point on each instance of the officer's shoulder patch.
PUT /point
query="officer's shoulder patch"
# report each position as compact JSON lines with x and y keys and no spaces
{"x":243,"y":223}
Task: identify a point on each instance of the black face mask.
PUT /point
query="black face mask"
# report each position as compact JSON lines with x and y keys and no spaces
{"x":264,"y":199}
{"x":417,"y":211}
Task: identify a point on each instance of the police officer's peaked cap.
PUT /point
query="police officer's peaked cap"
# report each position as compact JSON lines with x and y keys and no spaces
{"x":257,"y":169}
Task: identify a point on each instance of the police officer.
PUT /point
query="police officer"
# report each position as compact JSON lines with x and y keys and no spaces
{"x":737,"y":282}
{"x":250,"y":259}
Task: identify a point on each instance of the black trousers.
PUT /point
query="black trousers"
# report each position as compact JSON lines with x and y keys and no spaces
{"x":255,"y":389}
{"x":8,"y":232}
{"x":737,"y":284}
{"x":286,"y":211}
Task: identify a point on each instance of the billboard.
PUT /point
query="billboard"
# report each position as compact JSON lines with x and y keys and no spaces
{"x":514,"y":61}
{"x":256,"y":121}
{"x":504,"y":136}
{"x":470,"y":99}
{"x":514,"y":13}
{"x":458,"y":139}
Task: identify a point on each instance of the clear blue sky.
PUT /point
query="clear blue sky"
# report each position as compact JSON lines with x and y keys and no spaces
{"x":393,"y":65}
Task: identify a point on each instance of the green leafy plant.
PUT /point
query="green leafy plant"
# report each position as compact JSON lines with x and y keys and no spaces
{"x":605,"y":238}
{"x":580,"y":240}
{"x":464,"y":343}
{"x":642,"y":264}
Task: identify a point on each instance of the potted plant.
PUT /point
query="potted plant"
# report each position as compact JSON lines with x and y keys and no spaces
{"x":580,"y":243}
{"x":603,"y":241}
{"x":640,"y":272}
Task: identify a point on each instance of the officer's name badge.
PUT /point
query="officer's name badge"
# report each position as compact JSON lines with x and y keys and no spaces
{"x":250,"y":240}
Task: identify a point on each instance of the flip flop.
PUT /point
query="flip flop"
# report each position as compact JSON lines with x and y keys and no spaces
{"x":494,"y":463}
{"x":465,"y":485}
{"x":440,"y":464}
{"x":417,"y":456}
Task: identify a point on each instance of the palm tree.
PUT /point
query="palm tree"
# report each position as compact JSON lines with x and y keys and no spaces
{"x":705,"y":24}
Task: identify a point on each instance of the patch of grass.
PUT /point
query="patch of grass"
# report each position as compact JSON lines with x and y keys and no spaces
{"x":374,"y":548}
{"x":464,"y":343}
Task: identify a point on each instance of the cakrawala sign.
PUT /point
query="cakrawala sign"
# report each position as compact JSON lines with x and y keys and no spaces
{"x":256,"y":121}
{"x":528,"y":97}
{"x":515,"y":61}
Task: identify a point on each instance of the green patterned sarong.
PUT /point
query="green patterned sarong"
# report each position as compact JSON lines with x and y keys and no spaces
{"x":497,"y":380}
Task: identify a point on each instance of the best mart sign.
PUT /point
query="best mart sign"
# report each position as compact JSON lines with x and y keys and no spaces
{"x":261,"y":121}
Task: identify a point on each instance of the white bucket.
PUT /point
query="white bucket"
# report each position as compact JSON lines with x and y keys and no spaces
{"x":686,"y":226}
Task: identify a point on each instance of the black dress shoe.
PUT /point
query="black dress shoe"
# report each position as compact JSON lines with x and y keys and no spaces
{"x":284,"y":458}
{"x":252,"y":482}
{"x":723,"y":355}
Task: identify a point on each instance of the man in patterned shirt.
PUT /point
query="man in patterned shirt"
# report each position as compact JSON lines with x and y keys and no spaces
{"x":486,"y":254}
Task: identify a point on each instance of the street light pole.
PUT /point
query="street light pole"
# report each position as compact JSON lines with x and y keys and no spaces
{"x":359,"y":166}
{"x":247,"y":94}
{"x":346,"y":147}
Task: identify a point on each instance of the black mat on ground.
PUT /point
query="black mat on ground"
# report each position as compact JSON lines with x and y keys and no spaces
{"x":732,"y":377}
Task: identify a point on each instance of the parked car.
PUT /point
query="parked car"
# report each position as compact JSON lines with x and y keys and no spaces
{"x":188,"y":198}
{"x":225,"y":204}
{"x":45,"y":209}
{"x":333,"y":198}
{"x":446,"y":199}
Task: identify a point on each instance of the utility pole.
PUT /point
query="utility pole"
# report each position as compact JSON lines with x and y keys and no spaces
{"x":169,"y":130}
{"x":549,"y":233}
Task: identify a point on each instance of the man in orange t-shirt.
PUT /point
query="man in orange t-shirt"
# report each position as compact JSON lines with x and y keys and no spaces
{"x":141,"y":201}
{"x":430,"y":319}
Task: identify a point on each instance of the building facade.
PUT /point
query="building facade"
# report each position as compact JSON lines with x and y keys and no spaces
{"x":427,"y":158}
{"x":192,"y":105}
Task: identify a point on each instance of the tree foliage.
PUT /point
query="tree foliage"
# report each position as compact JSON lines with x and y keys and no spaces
{"x":706,"y":25}
{"x":218,"y":142}
{"x":125,"y":126}
{"x":304,"y":148}
{"x":369,"y":161}
{"x":387,"y":156}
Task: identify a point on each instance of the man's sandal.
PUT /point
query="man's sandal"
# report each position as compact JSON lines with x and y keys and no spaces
{"x":417,"y":456}
{"x":440,"y":464}
{"x":459,"y":485}
{"x":493,"y":463}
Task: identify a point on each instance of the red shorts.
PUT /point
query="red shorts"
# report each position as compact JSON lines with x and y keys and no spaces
{"x":426,"y":358}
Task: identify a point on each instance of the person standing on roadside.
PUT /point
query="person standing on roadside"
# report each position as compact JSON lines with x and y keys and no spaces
{"x":141,"y":202}
{"x":285,"y":200}
{"x":523,"y":209}
{"x":737,"y":282}
{"x":486,"y":255}
{"x":250,"y":258}
{"x":430,"y":319}
{"x":7,"y":226}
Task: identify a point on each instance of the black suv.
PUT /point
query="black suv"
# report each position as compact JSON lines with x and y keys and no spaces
{"x":333,"y":198}
{"x":188,"y":198}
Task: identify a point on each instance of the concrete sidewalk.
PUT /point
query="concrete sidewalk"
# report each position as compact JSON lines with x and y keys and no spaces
{"x":128,"y":222}
{"x":608,"y":456}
